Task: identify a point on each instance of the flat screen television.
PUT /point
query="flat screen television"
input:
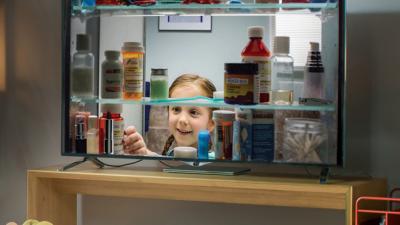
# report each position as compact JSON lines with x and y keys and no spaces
{"x":301,"y":121}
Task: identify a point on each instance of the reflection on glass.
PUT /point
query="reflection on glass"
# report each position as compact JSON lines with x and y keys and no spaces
{"x":257,"y":132}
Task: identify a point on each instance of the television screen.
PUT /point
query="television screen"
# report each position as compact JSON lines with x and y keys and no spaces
{"x":205,"y":87}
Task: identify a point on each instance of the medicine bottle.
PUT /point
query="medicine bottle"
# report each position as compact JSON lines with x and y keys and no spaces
{"x":223,"y":134}
{"x":159,"y":84}
{"x":241,"y":83}
{"x":132,"y":55}
{"x":282,"y":72}
{"x":111,"y":112}
{"x":313,"y":73}
{"x":111,"y":75}
{"x":263,"y":146}
{"x":82,"y":68}
{"x":92,"y":143}
{"x":203,"y":141}
{"x":257,"y":52}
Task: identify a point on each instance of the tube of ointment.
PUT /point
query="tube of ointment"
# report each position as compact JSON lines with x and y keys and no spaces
{"x":109,"y":135}
{"x":203,"y":141}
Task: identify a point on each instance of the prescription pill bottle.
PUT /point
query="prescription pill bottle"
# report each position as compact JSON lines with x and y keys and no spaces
{"x":132,"y":56}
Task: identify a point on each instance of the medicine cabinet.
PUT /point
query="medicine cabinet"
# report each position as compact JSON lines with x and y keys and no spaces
{"x":204,"y":51}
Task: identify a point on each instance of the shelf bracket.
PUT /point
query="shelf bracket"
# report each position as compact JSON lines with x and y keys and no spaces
{"x":323,"y":177}
{"x":94,"y":160}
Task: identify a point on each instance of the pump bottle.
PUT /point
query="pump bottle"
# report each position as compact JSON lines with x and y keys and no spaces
{"x":313,"y":73}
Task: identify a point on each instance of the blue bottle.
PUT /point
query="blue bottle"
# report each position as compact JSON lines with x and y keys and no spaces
{"x":203,"y":144}
{"x":88,"y":3}
{"x":88,"y":6}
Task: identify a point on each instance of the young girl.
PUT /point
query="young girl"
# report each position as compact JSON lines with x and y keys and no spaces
{"x":184,"y":122}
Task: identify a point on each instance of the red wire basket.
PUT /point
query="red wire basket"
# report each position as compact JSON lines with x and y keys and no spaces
{"x":386,"y":217}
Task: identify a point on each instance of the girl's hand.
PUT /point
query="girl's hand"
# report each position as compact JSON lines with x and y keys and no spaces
{"x":134,"y":143}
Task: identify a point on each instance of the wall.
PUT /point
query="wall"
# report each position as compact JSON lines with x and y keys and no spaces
{"x":30,"y":118}
{"x":385,"y":130}
{"x":30,"y":107}
{"x":373,"y":81}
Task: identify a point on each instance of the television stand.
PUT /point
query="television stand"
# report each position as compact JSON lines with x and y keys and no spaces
{"x":92,"y":159}
{"x":52,"y":194}
{"x":323,"y":177}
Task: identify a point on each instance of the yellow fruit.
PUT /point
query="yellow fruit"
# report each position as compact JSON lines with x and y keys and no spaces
{"x":44,"y":223}
{"x":30,"y":222}
{"x":11,"y":223}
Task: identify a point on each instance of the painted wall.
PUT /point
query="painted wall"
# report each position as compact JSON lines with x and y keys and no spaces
{"x":31,"y":105}
{"x":30,"y":115}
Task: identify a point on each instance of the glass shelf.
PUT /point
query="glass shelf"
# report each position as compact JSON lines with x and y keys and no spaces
{"x":204,"y":101}
{"x":211,"y":9}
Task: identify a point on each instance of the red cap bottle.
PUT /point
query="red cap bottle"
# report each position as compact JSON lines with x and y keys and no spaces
{"x":257,"y":52}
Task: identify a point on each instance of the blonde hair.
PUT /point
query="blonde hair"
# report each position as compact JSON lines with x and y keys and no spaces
{"x":192,"y":79}
{"x":204,"y":84}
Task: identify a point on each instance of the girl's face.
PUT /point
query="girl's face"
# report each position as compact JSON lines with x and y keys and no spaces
{"x":185,"y":122}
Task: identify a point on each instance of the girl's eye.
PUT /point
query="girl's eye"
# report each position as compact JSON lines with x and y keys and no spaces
{"x":176,"y":109}
{"x":194,"y":113}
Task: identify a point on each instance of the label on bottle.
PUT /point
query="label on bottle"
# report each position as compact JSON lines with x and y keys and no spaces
{"x":263,"y":135}
{"x":285,"y":75}
{"x":283,"y":81}
{"x":118,"y":136}
{"x":218,"y":142}
{"x":112,"y":83}
{"x":227,"y":141}
{"x":236,"y":153}
{"x":313,"y":85}
{"x":264,"y":75}
{"x":133,"y":73}
{"x":159,"y":89}
{"x":241,"y":89}
{"x":82,"y":82}
{"x":264,"y":71}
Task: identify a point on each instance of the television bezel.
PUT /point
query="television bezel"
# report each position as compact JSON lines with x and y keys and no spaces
{"x":65,"y":101}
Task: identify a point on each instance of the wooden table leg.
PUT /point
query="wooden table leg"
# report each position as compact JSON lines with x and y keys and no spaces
{"x":45,"y":202}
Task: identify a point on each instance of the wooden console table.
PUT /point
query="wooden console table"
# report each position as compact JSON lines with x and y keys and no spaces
{"x":52,"y":194}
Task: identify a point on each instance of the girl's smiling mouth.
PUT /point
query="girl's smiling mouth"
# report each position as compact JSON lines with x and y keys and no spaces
{"x":183,"y":132}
